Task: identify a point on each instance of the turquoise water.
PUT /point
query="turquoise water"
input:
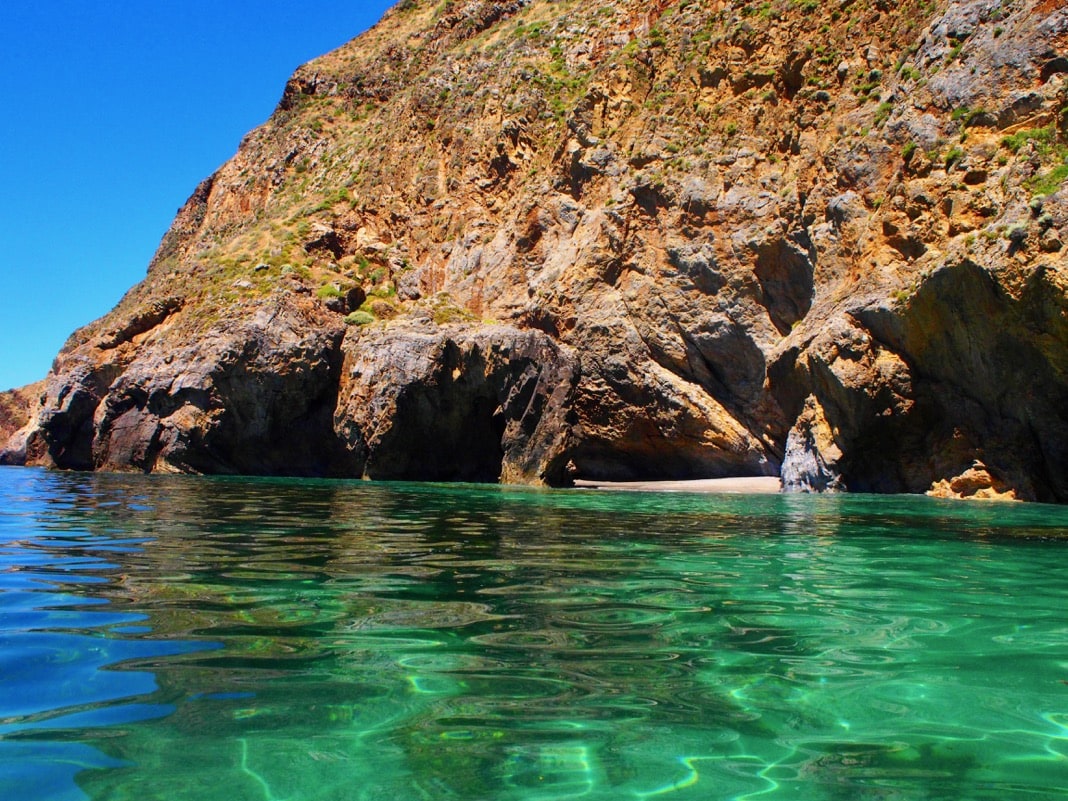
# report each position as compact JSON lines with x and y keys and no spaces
{"x":270,"y":640}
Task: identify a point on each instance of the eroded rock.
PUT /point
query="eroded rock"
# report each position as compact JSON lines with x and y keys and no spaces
{"x":455,"y":403}
{"x":252,"y":395}
{"x":19,"y":409}
{"x":812,"y":455}
{"x":845,"y":265}
{"x":975,"y":483}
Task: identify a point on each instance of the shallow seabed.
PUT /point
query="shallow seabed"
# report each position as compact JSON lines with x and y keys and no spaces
{"x":193,"y":638}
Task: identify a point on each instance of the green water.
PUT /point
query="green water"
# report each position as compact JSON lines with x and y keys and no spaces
{"x":269,"y":640}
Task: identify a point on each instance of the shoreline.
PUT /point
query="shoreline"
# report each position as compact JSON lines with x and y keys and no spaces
{"x":740,"y":485}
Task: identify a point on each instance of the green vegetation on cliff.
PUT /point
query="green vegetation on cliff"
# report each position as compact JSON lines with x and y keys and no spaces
{"x":757,"y":238}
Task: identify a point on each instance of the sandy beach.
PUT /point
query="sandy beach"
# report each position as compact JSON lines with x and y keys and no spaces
{"x":747,"y":485}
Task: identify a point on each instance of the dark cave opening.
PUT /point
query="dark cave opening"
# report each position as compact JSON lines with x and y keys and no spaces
{"x":442,"y":436}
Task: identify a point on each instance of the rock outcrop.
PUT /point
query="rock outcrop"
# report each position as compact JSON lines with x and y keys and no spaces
{"x":253,"y":394}
{"x":455,"y":403}
{"x":19,"y":409}
{"x":537,"y":240}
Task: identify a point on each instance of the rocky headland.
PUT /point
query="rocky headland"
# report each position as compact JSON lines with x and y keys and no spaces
{"x":534,"y":241}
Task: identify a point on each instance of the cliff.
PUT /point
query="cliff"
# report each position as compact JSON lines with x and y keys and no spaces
{"x":536,"y":240}
{"x":19,"y":409}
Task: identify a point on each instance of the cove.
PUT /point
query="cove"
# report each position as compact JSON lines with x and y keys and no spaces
{"x":282,"y":640}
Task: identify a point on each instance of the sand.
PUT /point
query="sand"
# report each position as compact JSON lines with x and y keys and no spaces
{"x":749,"y":485}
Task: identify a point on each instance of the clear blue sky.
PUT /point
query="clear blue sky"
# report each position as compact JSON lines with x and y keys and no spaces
{"x":113,"y":111}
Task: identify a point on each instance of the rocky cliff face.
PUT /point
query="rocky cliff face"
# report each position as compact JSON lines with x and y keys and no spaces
{"x":530,"y":240}
{"x":18,"y":413}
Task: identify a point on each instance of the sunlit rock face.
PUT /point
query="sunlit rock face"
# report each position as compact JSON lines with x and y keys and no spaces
{"x":532,"y":241}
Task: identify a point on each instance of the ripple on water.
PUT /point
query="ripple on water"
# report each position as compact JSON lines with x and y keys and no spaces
{"x":478,"y":643}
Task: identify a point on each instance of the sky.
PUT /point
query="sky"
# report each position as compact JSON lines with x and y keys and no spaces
{"x":113,"y":111}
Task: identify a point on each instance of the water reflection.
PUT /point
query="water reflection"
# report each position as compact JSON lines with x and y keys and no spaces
{"x":270,"y":639}
{"x":63,"y":640}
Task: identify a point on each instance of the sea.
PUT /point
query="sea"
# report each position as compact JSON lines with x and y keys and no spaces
{"x":269,"y":639}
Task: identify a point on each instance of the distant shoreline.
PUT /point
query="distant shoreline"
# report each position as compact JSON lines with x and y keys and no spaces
{"x":747,"y":485}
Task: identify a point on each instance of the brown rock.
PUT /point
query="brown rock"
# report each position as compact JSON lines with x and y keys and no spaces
{"x":975,"y":483}
{"x":812,"y":455}
{"x":455,"y":403}
{"x":19,"y":409}
{"x":383,"y":310}
{"x":725,"y":274}
{"x":1051,"y":241}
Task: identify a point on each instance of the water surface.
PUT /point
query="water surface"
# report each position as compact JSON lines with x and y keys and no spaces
{"x":270,"y":640}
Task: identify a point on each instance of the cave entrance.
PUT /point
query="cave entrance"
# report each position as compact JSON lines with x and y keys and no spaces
{"x":442,"y":433}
